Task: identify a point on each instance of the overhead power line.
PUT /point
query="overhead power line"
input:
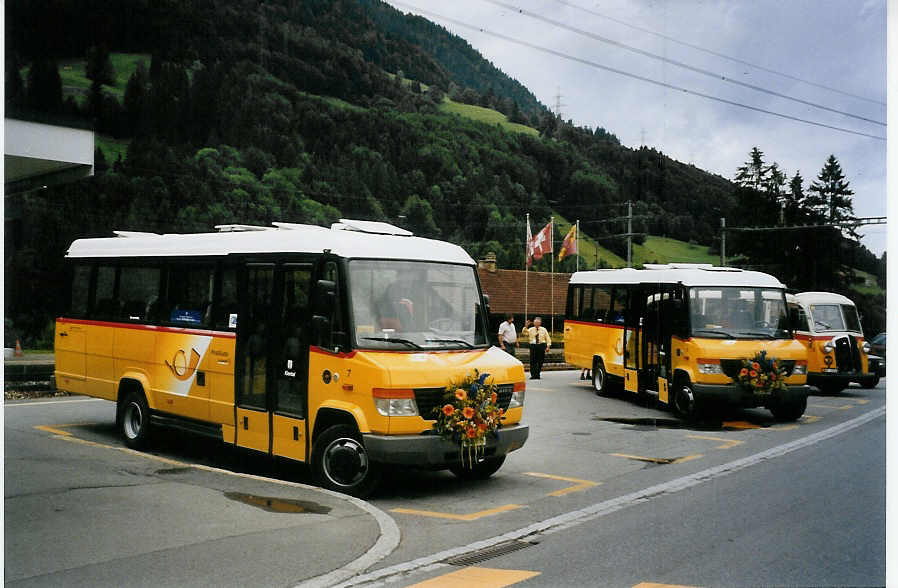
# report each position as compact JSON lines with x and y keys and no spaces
{"x":628,"y":74}
{"x":677,"y":63}
{"x":718,"y":54}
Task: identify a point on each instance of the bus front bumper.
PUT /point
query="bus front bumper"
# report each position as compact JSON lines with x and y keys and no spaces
{"x":734,"y":395}
{"x":433,"y":451}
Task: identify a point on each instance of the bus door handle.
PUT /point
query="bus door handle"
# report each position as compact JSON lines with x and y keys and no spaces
{"x":63,"y":334}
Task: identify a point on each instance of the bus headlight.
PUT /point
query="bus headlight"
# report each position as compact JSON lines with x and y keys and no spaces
{"x":828,"y":347}
{"x":395,"y":402}
{"x":866,"y":348}
{"x":801,"y":368}
{"x":709,"y":366}
{"x":517,"y":396}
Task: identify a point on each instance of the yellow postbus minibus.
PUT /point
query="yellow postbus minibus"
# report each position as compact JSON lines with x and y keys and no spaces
{"x":837,"y":352}
{"x":331,"y":346}
{"x":680,"y":332}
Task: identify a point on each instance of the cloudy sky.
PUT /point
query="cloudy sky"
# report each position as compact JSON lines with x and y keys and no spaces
{"x":837,"y":44}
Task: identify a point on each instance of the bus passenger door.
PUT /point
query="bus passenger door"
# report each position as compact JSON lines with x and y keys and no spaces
{"x":632,"y":326}
{"x":291,"y":363}
{"x":254,"y":347}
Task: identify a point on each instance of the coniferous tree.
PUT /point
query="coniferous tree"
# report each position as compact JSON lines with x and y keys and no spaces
{"x":795,"y":200}
{"x":44,"y":86}
{"x":831,"y":196}
{"x":754,"y":173}
{"x":99,"y":68}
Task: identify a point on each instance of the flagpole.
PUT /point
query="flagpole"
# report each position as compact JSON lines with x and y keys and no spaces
{"x":526,"y":266}
{"x":552,"y":272}
{"x":577,"y":238}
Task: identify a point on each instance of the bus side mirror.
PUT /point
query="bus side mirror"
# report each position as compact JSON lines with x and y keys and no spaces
{"x":321,"y":330}
{"x":325,"y":297}
{"x":486,"y":303}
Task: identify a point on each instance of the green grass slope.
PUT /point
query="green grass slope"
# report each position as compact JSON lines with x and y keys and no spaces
{"x":485,"y":115}
{"x":74,"y":82}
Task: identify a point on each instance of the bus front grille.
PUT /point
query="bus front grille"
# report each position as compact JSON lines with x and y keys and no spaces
{"x":848,"y":358}
{"x":428,"y":399}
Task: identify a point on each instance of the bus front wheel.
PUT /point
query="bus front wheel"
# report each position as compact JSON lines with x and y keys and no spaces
{"x":481,"y":470}
{"x":599,"y":377}
{"x":789,"y":411}
{"x":684,"y":404}
{"x":342,"y":463}
{"x":134,"y":420}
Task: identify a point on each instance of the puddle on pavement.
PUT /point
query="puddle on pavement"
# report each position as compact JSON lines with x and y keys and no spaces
{"x":651,"y":423}
{"x":278,"y":505}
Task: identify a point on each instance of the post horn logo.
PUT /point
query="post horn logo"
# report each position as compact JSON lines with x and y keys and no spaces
{"x":179,"y":366}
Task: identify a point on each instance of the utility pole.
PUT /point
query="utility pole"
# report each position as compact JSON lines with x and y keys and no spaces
{"x":629,"y":233}
{"x":558,"y":103}
{"x":723,"y":242}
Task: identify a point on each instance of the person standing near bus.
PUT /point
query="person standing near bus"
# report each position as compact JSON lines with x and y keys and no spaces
{"x":539,"y":344}
{"x":508,"y":337}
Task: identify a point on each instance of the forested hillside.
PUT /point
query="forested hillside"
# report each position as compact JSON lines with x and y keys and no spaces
{"x":249,"y":112}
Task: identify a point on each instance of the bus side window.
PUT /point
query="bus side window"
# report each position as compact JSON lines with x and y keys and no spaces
{"x":798,"y":318}
{"x":226,"y":304}
{"x":138,"y":289}
{"x":80,"y":290}
{"x":588,"y":313}
{"x":618,"y":312}
{"x":601,"y":302}
{"x":106,"y":305}
{"x":189,"y":300}
{"x":573,"y":303}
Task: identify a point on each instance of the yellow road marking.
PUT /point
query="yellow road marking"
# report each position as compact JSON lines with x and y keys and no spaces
{"x":660,"y":460}
{"x":808,"y":418}
{"x":457,"y":517}
{"x":726,"y":443}
{"x":861,"y":400}
{"x":805,"y":420}
{"x":67,"y":436}
{"x":54,"y":430}
{"x":843,"y":407}
{"x":739,"y":425}
{"x":475,"y":577}
{"x":578,"y":484}
{"x":656,"y":585}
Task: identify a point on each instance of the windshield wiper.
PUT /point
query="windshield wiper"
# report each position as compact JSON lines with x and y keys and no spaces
{"x":394,"y":340}
{"x":714,"y":332}
{"x":757,"y":334}
{"x":462,"y":341}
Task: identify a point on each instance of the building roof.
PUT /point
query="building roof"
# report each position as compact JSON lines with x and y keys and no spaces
{"x":506,"y":291}
{"x":688,"y":274}
{"x":346,"y":239}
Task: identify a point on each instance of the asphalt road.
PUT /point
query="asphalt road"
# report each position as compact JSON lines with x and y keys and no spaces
{"x":614,"y":493}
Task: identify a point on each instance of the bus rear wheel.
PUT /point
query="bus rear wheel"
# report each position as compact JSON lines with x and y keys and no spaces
{"x":134,"y":420}
{"x":342,"y":463}
{"x":599,"y":377}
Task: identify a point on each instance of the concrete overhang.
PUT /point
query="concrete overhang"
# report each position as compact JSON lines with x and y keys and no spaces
{"x":37,"y":155}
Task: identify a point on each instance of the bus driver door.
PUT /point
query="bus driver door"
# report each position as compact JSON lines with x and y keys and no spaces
{"x":273,"y":350}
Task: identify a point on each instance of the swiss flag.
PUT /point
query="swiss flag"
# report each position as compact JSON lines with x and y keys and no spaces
{"x":540,"y":244}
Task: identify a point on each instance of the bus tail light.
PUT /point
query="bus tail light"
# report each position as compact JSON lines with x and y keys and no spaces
{"x":395,"y":401}
{"x":709,"y":366}
{"x":801,"y":368}
{"x":517,"y":395}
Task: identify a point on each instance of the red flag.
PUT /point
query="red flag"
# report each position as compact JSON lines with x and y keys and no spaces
{"x":569,"y":246}
{"x":540,"y":244}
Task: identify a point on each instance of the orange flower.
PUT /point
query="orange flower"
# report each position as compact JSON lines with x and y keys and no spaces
{"x":743,"y":372}
{"x":501,"y":411}
{"x":755,"y":366}
{"x":448,"y":410}
{"x":461,"y":395}
{"x":482,"y":427}
{"x":471,"y":433}
{"x":468,"y":412}
{"x":494,"y":397}
{"x":753,"y":374}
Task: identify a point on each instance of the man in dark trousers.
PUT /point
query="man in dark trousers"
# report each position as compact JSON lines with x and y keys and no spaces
{"x":539,"y":344}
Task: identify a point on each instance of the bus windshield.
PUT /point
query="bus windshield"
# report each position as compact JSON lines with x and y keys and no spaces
{"x":736,"y":312}
{"x":835,"y":317}
{"x":415,"y":305}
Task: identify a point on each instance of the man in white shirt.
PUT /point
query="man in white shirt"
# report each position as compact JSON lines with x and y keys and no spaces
{"x":508,"y":338}
{"x":540,"y":341}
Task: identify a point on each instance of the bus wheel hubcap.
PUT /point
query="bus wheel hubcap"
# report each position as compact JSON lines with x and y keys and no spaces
{"x":133,"y":420}
{"x":685,"y":400}
{"x":345,"y":462}
{"x":598,"y":379}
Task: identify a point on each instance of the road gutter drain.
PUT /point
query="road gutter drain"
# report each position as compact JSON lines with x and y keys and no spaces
{"x":481,"y":555}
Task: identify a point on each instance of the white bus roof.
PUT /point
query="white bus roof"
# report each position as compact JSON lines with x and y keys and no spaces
{"x":348,"y":239}
{"x":689,"y":274}
{"x":822,"y":298}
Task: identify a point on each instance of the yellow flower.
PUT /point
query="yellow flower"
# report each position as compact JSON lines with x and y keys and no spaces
{"x":461,"y":395}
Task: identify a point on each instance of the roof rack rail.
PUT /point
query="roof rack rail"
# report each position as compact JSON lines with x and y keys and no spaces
{"x":131,"y":234}
{"x":236,"y":228}
{"x":293,"y":226}
{"x":372,"y":227}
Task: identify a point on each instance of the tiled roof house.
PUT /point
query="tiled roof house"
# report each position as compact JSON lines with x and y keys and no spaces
{"x":506,"y":290}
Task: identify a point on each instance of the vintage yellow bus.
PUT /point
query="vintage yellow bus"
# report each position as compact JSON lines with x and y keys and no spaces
{"x":837,"y":352}
{"x":330,"y":346}
{"x":680,"y":332}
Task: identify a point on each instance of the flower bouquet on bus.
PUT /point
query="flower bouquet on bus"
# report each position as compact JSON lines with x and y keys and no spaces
{"x":469,"y":415}
{"x":762,"y":375}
